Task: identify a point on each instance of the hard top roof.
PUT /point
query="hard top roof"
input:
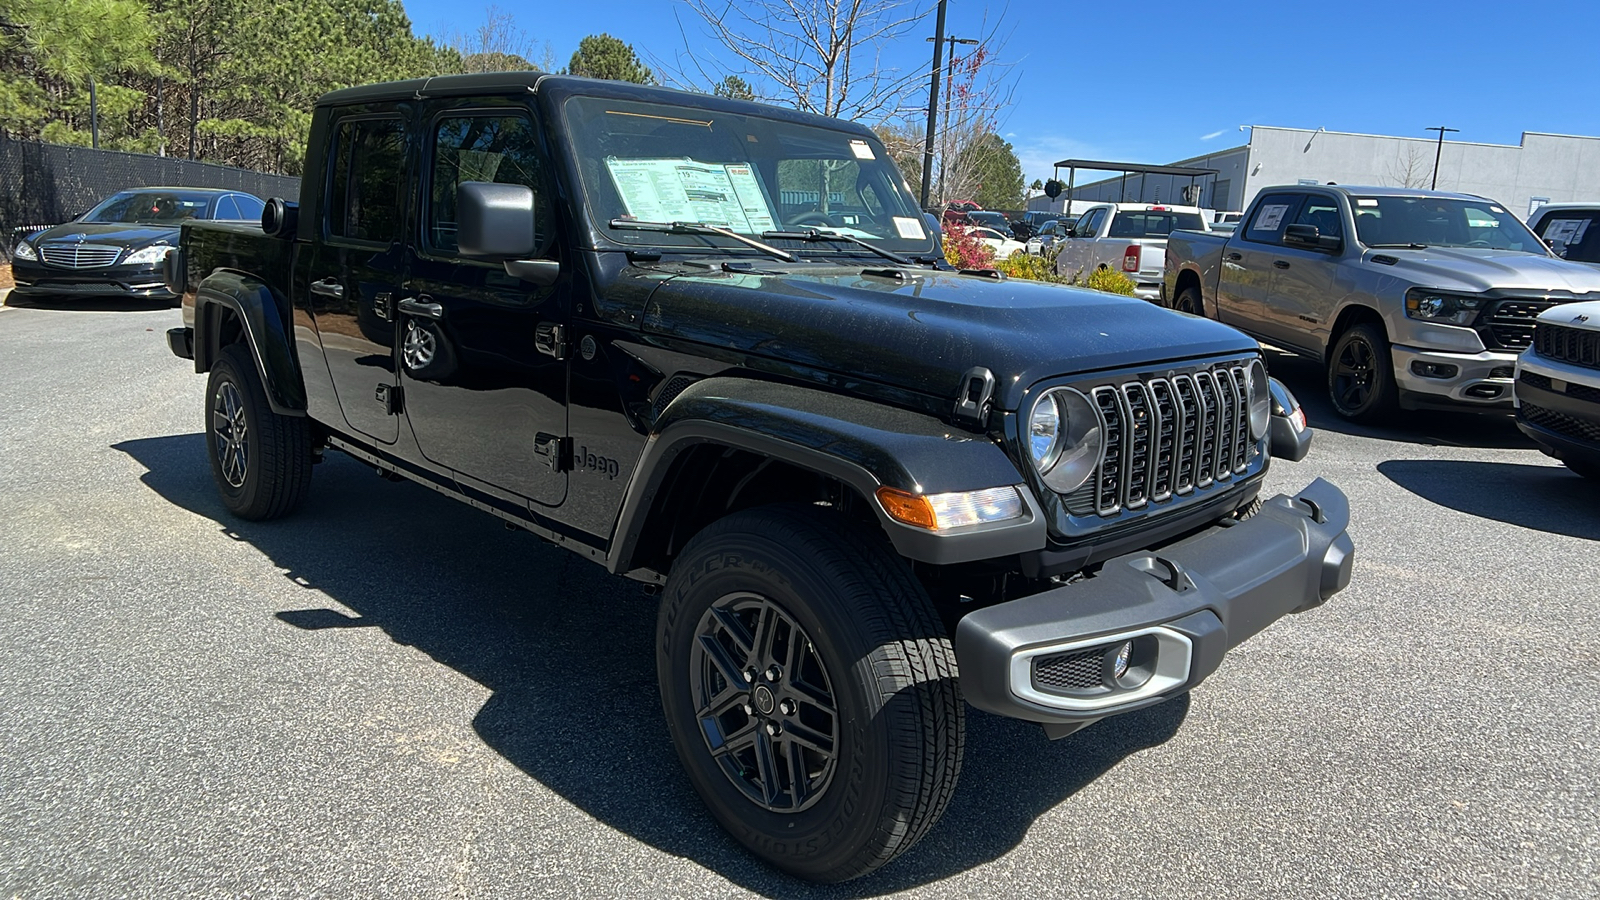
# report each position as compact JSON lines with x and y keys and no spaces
{"x":1375,"y":191}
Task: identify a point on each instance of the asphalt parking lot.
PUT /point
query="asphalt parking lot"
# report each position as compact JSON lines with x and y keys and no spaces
{"x":391,"y":695}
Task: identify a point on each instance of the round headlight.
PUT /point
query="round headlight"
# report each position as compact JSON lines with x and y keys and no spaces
{"x":1260,"y":401}
{"x":1064,"y":439}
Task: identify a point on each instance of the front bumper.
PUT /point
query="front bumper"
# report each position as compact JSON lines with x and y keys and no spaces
{"x":1558,"y":406}
{"x":1482,"y":380}
{"x":1182,"y":607}
{"x":144,"y":281}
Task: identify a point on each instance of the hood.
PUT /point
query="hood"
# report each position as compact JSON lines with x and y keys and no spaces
{"x":120,"y":234}
{"x":1583,"y":316}
{"x":1476,"y":270}
{"x":924,"y":332}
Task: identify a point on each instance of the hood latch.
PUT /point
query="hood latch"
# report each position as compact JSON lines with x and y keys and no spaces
{"x":972,"y":399}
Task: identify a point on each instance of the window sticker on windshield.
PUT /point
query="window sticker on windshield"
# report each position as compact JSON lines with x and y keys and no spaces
{"x":1366,"y":201}
{"x":1567,"y":231}
{"x":685,"y":190}
{"x":909,"y":228}
{"x":861,"y":149}
{"x":1271,"y":217}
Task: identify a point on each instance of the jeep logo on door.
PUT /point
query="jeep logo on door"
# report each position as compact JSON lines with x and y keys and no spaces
{"x":593,"y":462}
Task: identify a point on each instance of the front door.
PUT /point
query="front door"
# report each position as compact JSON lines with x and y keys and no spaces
{"x":354,"y":271}
{"x":485,"y":382}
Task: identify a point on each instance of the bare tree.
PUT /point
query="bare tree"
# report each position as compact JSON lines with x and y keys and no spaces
{"x":1409,"y":168}
{"x":978,"y":88}
{"x":498,"y":45}
{"x":821,"y":56}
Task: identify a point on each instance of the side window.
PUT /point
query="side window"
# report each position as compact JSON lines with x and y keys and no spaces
{"x":226,"y":208}
{"x":1272,"y":213}
{"x":368,"y":168}
{"x":250,"y":208}
{"x":1322,"y":212}
{"x":500,"y":149}
{"x":1089,"y":225}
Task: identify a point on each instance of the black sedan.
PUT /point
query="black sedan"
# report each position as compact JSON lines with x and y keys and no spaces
{"x":116,"y":249}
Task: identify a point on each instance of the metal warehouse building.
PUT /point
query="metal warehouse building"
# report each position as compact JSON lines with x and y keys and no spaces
{"x":1544,"y":168}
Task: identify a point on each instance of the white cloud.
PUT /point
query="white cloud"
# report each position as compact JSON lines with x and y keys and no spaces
{"x":1213,"y":135}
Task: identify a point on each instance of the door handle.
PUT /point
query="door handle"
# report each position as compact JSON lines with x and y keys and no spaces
{"x":328,"y":287}
{"x":1235,"y":257}
{"x":423,"y":306}
{"x":1279,"y":264}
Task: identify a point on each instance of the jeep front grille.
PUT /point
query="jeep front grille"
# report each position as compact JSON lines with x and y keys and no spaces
{"x":1166,"y":437}
{"x":1578,"y":346}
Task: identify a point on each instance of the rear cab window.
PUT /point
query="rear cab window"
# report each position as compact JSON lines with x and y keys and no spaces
{"x":1153,"y":223}
{"x":365,"y":180}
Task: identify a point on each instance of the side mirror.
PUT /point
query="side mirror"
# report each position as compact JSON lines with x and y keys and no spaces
{"x":1072,"y":232}
{"x":1289,"y":436}
{"x":1311,"y":237}
{"x":497,"y":222}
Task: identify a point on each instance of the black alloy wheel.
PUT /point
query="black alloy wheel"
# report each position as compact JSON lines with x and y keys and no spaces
{"x":260,"y":461}
{"x":1361,"y":374}
{"x":810,"y":689}
{"x":1190,"y":301}
{"x":764,"y":702}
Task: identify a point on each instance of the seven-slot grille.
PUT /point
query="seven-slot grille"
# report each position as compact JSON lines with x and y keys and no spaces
{"x":1169,"y":436}
{"x":79,"y":256}
{"x":1571,"y":345}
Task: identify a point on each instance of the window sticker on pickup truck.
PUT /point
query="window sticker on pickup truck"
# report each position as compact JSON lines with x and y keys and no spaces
{"x":1271,"y":217}
{"x":1567,"y":231}
{"x":680,"y":189}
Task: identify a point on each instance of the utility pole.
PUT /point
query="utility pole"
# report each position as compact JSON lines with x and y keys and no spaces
{"x":949,"y":87}
{"x":933,"y":104}
{"x":1439,"y":152}
{"x":94,"y":117}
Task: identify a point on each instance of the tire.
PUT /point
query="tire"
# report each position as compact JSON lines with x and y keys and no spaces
{"x":1361,"y":374}
{"x":853,"y":632}
{"x":1190,"y":301}
{"x":261,"y":461}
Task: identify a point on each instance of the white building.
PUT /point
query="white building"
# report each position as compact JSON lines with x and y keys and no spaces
{"x":1544,"y":168}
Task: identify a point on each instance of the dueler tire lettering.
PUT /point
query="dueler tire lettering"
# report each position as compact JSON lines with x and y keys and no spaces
{"x":879,"y":648}
{"x":261,"y":461}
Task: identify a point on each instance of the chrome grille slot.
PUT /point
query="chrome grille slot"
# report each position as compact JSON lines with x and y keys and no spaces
{"x":1188,"y":432}
{"x":79,"y":256}
{"x":1109,"y":493}
{"x":1225,"y":408}
{"x":1577,"y":346}
{"x":1140,"y":425}
{"x":1241,"y":431}
{"x":1167,"y":428}
{"x":1205,"y":466}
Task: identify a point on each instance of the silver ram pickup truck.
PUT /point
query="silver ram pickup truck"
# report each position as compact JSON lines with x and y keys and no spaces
{"x":1411,"y":298}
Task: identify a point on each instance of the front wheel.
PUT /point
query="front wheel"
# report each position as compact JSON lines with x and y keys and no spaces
{"x":810,"y":690}
{"x":261,"y":461}
{"x":1361,"y":374}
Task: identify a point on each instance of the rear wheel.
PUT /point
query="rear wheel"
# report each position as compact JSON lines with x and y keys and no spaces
{"x":1361,"y":374}
{"x":810,"y":689}
{"x":1189,"y":301}
{"x":261,"y":461}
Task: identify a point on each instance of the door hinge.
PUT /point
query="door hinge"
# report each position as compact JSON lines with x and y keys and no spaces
{"x":383,"y":306}
{"x":551,"y":340}
{"x":392,"y":398}
{"x":555,"y":451}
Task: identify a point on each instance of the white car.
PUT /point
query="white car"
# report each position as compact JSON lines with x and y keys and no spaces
{"x":1003,"y":245}
{"x":1558,"y":386}
{"x":1128,"y":237}
{"x":1048,"y":235}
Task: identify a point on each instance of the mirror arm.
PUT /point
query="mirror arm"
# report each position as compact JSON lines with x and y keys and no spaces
{"x":542,"y":272}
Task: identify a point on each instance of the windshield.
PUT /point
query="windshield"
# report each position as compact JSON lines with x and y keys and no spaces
{"x":150,"y":208}
{"x":1154,"y":224}
{"x":1574,"y":234}
{"x":1441,"y":222}
{"x":646,"y":162}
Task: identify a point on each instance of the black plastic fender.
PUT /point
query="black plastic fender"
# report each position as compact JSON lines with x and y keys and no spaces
{"x":263,"y":313}
{"x":861,"y":443}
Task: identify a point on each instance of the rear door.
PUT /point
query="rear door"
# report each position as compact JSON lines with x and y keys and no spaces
{"x":485,"y":381}
{"x":1247,"y":260}
{"x":356,"y":267}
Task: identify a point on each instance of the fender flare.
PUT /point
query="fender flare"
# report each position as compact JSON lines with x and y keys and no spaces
{"x":861,"y":443}
{"x":263,"y":314}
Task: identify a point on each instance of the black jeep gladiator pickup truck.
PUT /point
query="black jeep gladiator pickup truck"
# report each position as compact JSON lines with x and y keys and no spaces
{"x":712,"y":346}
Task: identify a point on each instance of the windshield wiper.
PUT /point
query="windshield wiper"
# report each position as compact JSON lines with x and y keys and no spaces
{"x":812,"y":235}
{"x":702,"y":228}
{"x":1399,"y":246}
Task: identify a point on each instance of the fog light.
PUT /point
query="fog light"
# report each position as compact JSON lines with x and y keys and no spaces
{"x":1433,"y":370}
{"x":1119,"y":664}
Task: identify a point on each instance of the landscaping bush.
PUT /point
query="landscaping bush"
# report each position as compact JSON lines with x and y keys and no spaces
{"x":1109,"y":280}
{"x":963,"y":250}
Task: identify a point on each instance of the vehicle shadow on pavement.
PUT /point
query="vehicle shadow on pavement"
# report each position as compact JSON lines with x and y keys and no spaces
{"x":567,"y":651}
{"x":89,"y":304}
{"x":1308,"y":380}
{"x":1543,"y":498}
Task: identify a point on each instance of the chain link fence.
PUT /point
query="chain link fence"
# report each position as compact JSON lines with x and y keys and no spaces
{"x":47,"y":184}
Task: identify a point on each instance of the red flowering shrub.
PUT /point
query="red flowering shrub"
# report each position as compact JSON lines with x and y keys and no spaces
{"x":963,"y":250}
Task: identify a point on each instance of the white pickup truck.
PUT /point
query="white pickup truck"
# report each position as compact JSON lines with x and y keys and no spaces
{"x":1128,"y":237}
{"x":1412,"y":298}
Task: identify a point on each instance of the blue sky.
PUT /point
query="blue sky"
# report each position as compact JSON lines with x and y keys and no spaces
{"x":1159,"y":81}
